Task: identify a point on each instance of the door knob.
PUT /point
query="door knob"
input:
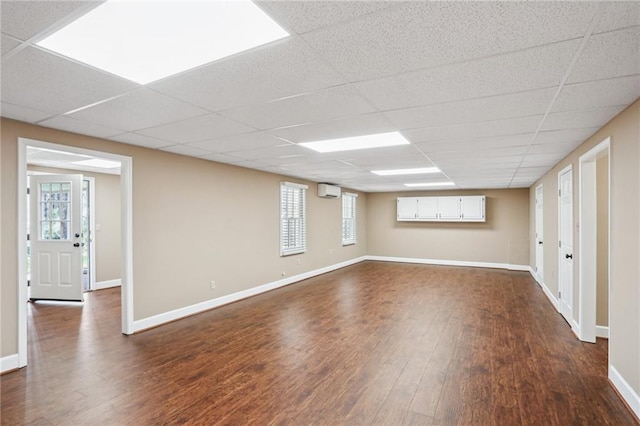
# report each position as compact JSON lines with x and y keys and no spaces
{"x":539,"y":242}
{"x":568,"y":256}
{"x":76,"y":244}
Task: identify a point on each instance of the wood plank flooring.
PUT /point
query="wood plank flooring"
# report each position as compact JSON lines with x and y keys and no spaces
{"x":372,"y":344}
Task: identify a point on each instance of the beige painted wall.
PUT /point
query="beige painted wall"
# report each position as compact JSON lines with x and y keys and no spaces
{"x":193,"y":221}
{"x":503,"y":238}
{"x":602,"y":264}
{"x":108,"y":239}
{"x":624,"y":317}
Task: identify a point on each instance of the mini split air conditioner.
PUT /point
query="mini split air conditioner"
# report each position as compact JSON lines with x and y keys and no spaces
{"x":328,"y":191}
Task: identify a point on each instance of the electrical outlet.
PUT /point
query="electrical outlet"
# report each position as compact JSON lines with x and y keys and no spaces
{"x":212,"y":285}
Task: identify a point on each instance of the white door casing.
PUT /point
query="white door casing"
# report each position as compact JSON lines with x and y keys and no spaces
{"x":55,"y":236}
{"x":565,"y":244}
{"x":539,"y":240}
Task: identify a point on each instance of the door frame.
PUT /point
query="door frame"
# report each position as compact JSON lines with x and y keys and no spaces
{"x":587,"y":279}
{"x":572,"y":322}
{"x":126,"y":194}
{"x":539,"y":276}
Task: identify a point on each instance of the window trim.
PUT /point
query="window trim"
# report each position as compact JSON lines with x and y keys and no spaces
{"x":302,"y":246}
{"x":353,"y":198}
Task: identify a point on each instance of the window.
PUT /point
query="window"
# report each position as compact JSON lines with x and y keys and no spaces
{"x":293,"y":223}
{"x":348,"y":218}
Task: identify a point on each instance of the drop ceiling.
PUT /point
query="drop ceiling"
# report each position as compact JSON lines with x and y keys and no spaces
{"x":494,"y":94}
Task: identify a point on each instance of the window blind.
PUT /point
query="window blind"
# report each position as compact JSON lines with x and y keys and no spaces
{"x":293,"y":226}
{"x":348,"y":218}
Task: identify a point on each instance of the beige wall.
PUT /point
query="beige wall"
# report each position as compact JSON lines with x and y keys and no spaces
{"x":193,"y":221}
{"x":602,"y":238}
{"x":624,"y":131}
{"x":503,"y":238}
{"x":107,"y":240}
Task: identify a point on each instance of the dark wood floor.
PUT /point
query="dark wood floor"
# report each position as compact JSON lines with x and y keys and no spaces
{"x":374,"y":343}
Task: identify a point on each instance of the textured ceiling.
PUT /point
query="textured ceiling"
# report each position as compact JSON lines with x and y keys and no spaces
{"x":492,"y":93}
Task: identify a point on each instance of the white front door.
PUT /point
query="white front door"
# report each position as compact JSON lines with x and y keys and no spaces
{"x":565,"y":205}
{"x":539,"y":234}
{"x":55,"y":236}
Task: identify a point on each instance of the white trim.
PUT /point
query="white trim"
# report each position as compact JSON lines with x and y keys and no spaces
{"x":545,"y":289}
{"x":626,"y":391}
{"x":295,"y":185}
{"x":587,"y":295}
{"x":107,"y":284}
{"x":567,"y":169}
{"x":9,"y":362}
{"x":92,"y":231}
{"x":575,"y":327}
{"x":156,"y":320}
{"x":602,"y":331}
{"x":450,"y":262}
{"x":126,"y":184}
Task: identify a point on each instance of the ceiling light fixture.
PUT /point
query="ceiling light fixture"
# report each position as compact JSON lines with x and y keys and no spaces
{"x":397,"y":172}
{"x":99,"y":162}
{"x":426,"y":184}
{"x":147,"y":40}
{"x":357,"y":142}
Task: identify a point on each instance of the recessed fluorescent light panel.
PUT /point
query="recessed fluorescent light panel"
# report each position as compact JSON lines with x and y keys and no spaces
{"x":357,"y":142}
{"x":428,"y":184}
{"x":98,"y":162}
{"x":146,"y":40}
{"x":397,"y":172}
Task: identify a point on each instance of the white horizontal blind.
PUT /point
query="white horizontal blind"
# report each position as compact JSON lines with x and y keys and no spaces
{"x":348,"y":218}
{"x":293,"y":226}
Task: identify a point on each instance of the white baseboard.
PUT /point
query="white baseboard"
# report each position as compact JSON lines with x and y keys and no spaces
{"x":550,"y":296}
{"x":602,"y":331}
{"x":450,"y":262}
{"x":159,"y":319}
{"x":575,"y":327}
{"x":8,"y":363}
{"x":108,"y":284}
{"x":626,"y":391}
{"x":535,"y":275}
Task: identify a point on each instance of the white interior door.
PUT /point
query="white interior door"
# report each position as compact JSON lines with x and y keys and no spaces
{"x":565,"y":205}
{"x":55,"y":236}
{"x":539,"y":234}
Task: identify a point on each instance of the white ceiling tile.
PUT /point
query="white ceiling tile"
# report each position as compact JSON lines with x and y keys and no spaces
{"x":425,"y":34}
{"x":25,"y":19}
{"x":507,"y":154}
{"x":555,"y":148}
{"x":247,"y":141}
{"x":304,"y":16}
{"x":566,"y":135}
{"x":185,"y":150}
{"x":464,"y":145}
{"x":140,"y":140}
{"x":275,"y":71}
{"x":39,"y":80}
{"x":198,"y":128}
{"x":484,"y":129}
{"x":476,"y":110}
{"x":541,"y":160}
{"x":617,"y":14}
{"x":531,"y":172}
{"x":273,"y":152}
{"x":576,"y":119}
{"x":223,"y":158}
{"x":516,"y":72}
{"x":333,"y":103}
{"x":140,"y":109}
{"x":8,"y":44}
{"x":21,"y":113}
{"x":608,"y":55}
{"x":78,"y":126}
{"x":598,"y":94}
{"x":352,"y":126}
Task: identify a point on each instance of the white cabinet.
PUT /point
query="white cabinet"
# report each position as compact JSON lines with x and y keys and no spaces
{"x":407,"y":208}
{"x":428,"y":208}
{"x":470,"y":208}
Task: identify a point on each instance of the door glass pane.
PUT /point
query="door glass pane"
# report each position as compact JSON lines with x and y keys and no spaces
{"x":54,"y":213}
{"x":45,"y":231}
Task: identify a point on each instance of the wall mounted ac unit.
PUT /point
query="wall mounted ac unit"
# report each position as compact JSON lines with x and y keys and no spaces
{"x":328,"y":191}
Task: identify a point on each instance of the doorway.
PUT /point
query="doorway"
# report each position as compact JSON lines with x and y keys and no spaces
{"x":594,"y":242}
{"x":126,"y":164}
{"x":539,"y":241}
{"x":565,"y":244}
